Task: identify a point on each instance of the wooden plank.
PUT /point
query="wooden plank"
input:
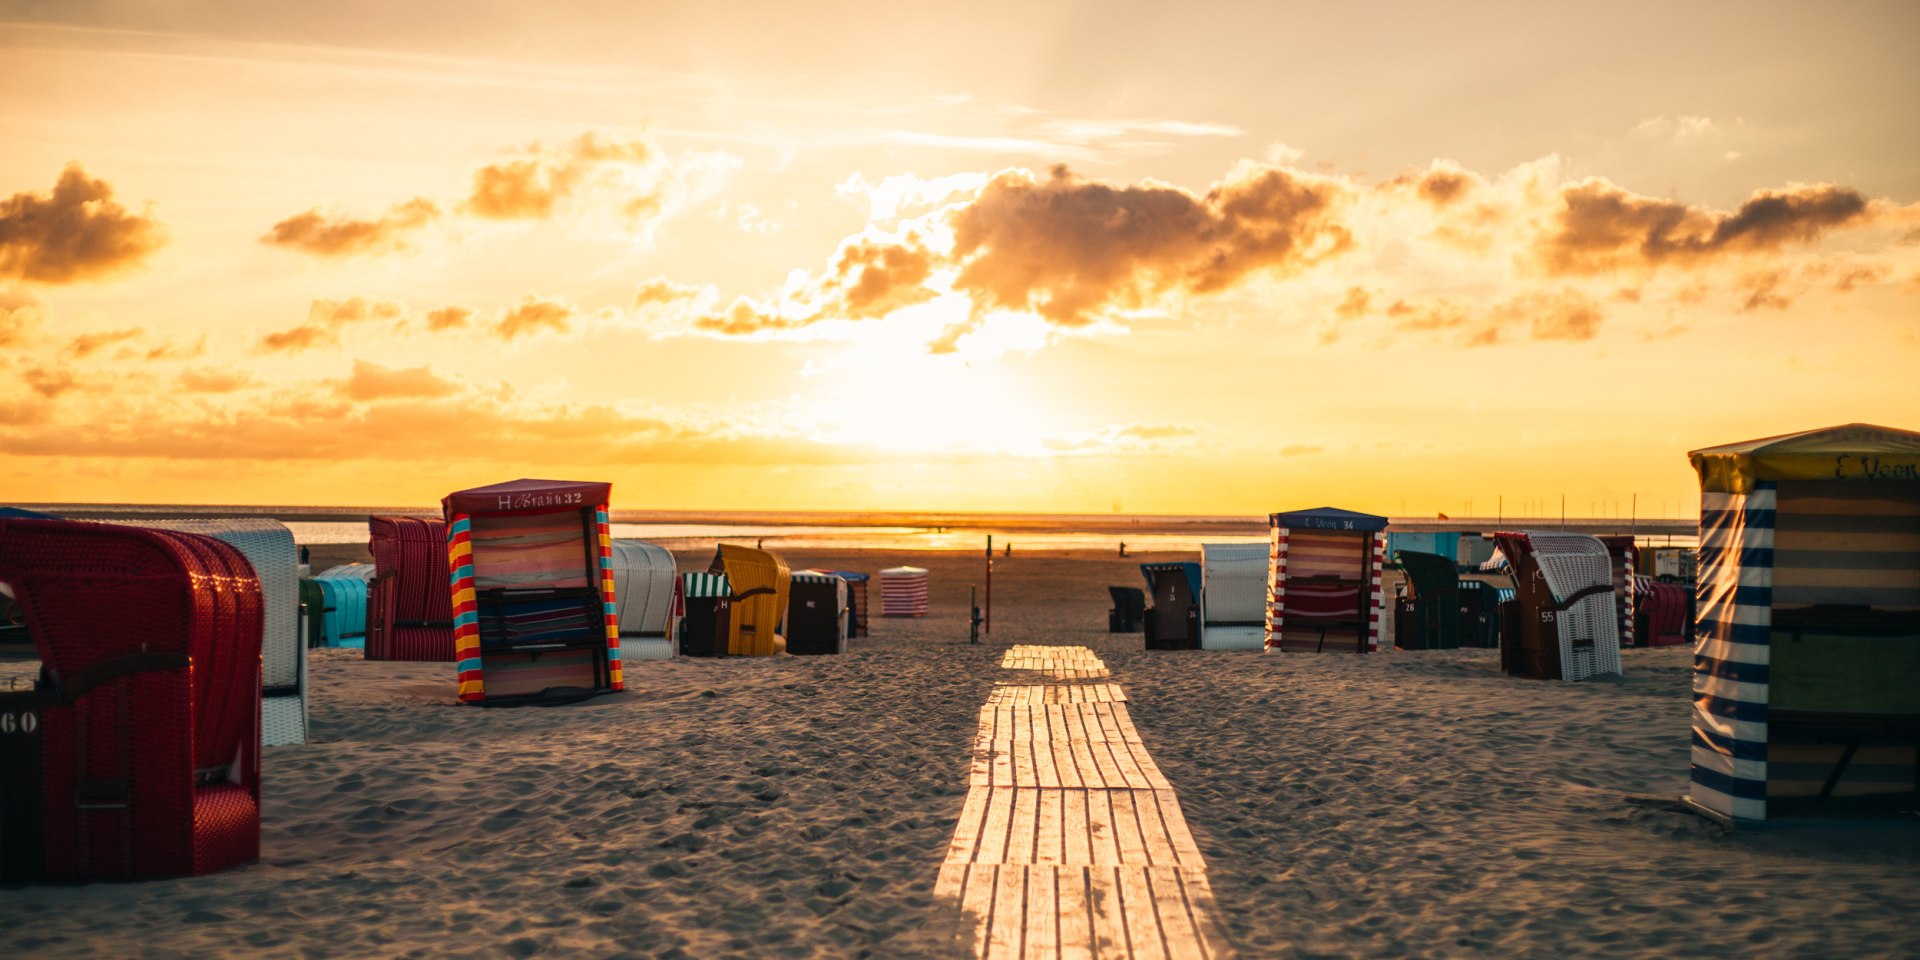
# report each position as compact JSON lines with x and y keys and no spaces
{"x":1076,"y":841}
{"x":952,"y":881}
{"x":1085,"y":770}
{"x":1143,"y":921}
{"x":1185,"y":851}
{"x":1076,"y":917}
{"x":1023,"y":773}
{"x":1205,"y":913}
{"x":1006,"y":934}
{"x":1153,"y":829}
{"x":1126,"y":828}
{"x":1065,"y":766}
{"x":1149,"y":771}
{"x":1043,"y":915}
{"x":1047,"y":848}
{"x":966,"y":831}
{"x":976,"y":900}
{"x":1177,"y":927}
{"x":1024,"y":826}
{"x":1102,"y":839}
{"x":993,"y":831}
{"x":1044,"y":774}
{"x":1103,"y":904}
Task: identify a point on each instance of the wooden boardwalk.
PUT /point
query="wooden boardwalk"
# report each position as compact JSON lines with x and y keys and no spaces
{"x":1071,"y":843}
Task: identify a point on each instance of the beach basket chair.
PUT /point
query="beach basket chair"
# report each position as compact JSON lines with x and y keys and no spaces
{"x":1479,"y":613}
{"x":1129,"y":609}
{"x":647,"y":595}
{"x":1661,"y":612}
{"x":269,"y":548}
{"x":706,"y":608}
{"x":816,"y":613}
{"x":148,"y":705}
{"x":1434,"y":621}
{"x":410,"y":602}
{"x":1564,"y":623}
{"x":1173,"y":619}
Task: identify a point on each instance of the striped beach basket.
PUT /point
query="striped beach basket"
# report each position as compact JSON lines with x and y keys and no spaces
{"x":903,"y":592}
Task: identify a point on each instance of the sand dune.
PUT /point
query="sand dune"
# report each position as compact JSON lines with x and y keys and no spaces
{"x":1396,"y":805}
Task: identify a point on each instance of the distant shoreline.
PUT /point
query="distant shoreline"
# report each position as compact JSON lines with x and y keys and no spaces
{"x":1117,"y":524}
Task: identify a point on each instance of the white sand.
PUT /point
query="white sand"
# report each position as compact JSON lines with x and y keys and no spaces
{"x":1399,"y":804}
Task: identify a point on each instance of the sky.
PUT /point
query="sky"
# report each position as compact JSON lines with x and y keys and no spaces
{"x":1218,"y":258}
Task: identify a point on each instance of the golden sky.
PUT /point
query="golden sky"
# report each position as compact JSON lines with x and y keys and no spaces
{"x":1201,"y":258}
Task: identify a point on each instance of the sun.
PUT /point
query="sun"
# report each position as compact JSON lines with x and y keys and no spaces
{"x":887,"y":389}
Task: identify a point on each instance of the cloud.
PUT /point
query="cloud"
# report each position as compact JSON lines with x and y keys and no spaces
{"x":532,"y":188}
{"x":901,"y":192}
{"x":1602,"y":228}
{"x":87,"y":344}
{"x":75,"y":233}
{"x":449,"y":318}
{"x":325,"y":318}
{"x":1542,"y":314}
{"x":1068,"y":249}
{"x":20,"y":316}
{"x":1680,"y":128}
{"x":1441,"y":184}
{"x":298,"y":339}
{"x":50,"y":383}
{"x":660,"y":292}
{"x":371,"y":381}
{"x":747,"y":316}
{"x":534,"y":314}
{"x":174,"y":351}
{"x":1116,"y":439}
{"x":1354,"y":304}
{"x":1301,"y":449}
{"x":872,"y":278}
{"x":209,"y":380}
{"x":317,"y":234}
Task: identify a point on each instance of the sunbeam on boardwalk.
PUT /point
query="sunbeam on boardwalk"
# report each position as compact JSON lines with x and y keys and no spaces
{"x":1071,"y":843}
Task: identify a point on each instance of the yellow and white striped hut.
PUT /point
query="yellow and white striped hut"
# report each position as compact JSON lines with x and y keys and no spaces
{"x":1807,"y":642}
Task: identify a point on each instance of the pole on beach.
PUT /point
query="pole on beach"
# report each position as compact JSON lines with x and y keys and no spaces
{"x":989,"y":584}
{"x":1633,"y":517}
{"x":1563,"y":511}
{"x":973,"y":614}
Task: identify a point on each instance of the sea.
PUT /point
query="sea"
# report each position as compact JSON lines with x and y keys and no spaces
{"x":896,"y":531}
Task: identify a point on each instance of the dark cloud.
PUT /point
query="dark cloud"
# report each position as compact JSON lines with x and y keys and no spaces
{"x":1601,"y":227}
{"x":315,"y":233}
{"x":371,"y":381}
{"x":1068,"y":248}
{"x":75,"y":233}
{"x":87,"y":344}
{"x":534,"y":314}
{"x":532,"y":188}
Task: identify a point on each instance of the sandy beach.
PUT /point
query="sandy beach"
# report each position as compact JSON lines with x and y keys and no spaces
{"x":1404,"y":804}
